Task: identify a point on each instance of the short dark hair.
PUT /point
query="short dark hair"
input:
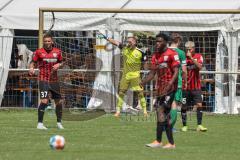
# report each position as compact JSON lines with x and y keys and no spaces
{"x":47,"y":35}
{"x":163,"y":36}
{"x":175,"y":37}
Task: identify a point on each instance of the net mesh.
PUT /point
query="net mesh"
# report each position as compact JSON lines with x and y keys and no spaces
{"x":93,"y":67}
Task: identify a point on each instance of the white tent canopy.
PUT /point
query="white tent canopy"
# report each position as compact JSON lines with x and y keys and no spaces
{"x":23,"y":14}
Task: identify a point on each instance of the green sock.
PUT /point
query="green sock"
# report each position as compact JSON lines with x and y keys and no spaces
{"x":173,"y":114}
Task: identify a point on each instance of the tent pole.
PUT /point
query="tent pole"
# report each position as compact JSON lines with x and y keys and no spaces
{"x":40,"y":32}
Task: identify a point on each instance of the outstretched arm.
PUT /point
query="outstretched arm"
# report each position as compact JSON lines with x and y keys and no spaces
{"x":114,"y":42}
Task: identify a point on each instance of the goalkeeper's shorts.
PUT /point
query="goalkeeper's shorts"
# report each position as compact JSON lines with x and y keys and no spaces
{"x":132,"y":84}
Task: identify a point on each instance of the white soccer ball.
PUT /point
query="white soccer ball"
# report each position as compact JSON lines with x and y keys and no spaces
{"x":57,"y":142}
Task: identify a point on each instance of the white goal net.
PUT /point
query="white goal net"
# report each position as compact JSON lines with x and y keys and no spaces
{"x":93,"y":66}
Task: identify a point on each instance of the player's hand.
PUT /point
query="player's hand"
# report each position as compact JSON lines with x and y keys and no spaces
{"x":56,"y":66}
{"x":189,"y":53}
{"x":31,"y":71}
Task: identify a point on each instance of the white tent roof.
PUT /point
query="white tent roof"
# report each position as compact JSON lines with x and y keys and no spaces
{"x":23,"y":14}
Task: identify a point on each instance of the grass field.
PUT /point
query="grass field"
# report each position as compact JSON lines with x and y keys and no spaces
{"x":107,"y":138}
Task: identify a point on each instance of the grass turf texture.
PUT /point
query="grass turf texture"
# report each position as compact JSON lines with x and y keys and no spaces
{"x":110,"y":138}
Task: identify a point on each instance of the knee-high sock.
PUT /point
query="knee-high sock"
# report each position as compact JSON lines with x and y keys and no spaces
{"x":59,"y":112}
{"x":120,"y":101}
{"x":173,"y":116}
{"x":169,"y":134}
{"x":184,"y":117}
{"x":160,"y":129}
{"x":41,"y":110}
{"x":143,"y":102}
{"x":199,"y":115}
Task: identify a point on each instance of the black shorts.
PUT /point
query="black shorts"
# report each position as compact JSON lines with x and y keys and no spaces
{"x":163,"y":106}
{"x":46,"y":87}
{"x":165,"y":101}
{"x":191,"y":97}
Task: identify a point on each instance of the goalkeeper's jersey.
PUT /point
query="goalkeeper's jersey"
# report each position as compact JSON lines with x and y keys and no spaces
{"x":182,"y":59}
{"x":132,"y":60}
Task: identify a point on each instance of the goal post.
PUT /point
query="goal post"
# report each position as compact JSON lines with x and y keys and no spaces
{"x":94,"y":65}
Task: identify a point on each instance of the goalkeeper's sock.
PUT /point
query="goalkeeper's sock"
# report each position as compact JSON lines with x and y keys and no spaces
{"x":41,"y":110}
{"x":173,"y":115}
{"x":120,"y":102}
{"x":59,"y":112}
{"x":143,"y":103}
{"x":199,"y":115}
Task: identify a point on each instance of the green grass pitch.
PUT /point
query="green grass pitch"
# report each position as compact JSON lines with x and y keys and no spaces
{"x":107,"y":138}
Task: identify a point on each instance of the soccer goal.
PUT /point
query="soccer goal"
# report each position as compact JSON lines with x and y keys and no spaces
{"x":92,"y":66}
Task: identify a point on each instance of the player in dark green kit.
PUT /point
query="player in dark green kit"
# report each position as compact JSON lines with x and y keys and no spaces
{"x":175,"y":42}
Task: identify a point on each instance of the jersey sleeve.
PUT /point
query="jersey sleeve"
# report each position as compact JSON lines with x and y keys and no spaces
{"x":35,"y":56}
{"x":200,"y":59}
{"x":143,"y":55}
{"x":174,"y":60}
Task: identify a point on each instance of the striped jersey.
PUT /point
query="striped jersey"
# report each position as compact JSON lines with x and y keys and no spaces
{"x":45,"y":62}
{"x":164,"y":63}
{"x":193,"y":74}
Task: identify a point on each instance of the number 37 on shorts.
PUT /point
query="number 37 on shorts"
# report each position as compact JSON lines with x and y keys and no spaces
{"x":44,"y":94}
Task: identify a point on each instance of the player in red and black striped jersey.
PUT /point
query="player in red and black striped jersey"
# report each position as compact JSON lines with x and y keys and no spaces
{"x":192,"y":95}
{"x":48,"y":59}
{"x":165,"y":63}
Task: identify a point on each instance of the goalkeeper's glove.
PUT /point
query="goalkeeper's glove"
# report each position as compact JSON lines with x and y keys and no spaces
{"x":103,"y":36}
